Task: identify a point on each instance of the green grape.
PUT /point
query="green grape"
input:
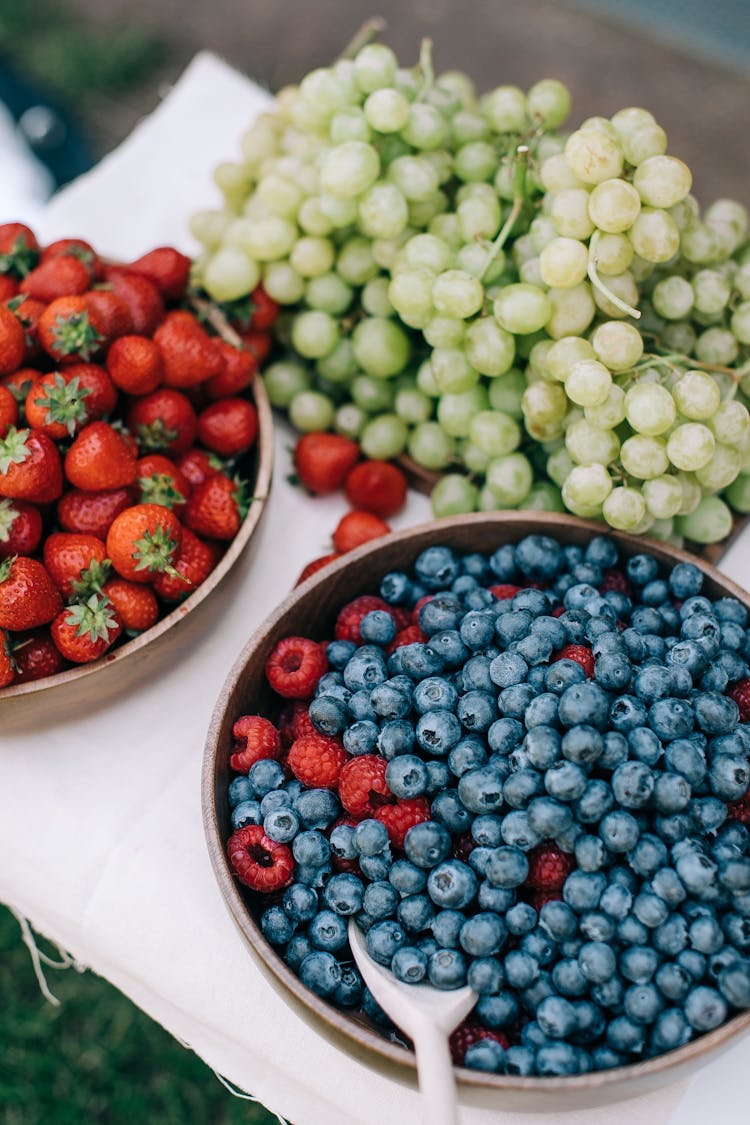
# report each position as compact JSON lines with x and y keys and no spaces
{"x":572,"y":311}
{"x":381,"y":347}
{"x":717,"y":346}
{"x":586,"y":488}
{"x":548,"y":103}
{"x":692,"y":493}
{"x":372,"y":395}
{"x":738,"y":494}
{"x":696,"y":395}
{"x":564,"y":354}
{"x":374,"y":66}
{"x":313,"y":219}
{"x":556,"y":174}
{"x":385,"y":251}
{"x":505,"y":109}
{"x":506,"y":393}
{"x":330,"y":293}
{"x":494,"y":433}
{"x":639,"y":145}
{"x":487,"y":501}
{"x":455,"y":411}
{"x":690,"y":446}
{"x":339,"y":366}
{"x":710,"y":522}
{"x":384,"y":437}
{"x":446,"y":227}
{"x":679,"y":336}
{"x":650,"y":409}
{"x":489,"y":348}
{"x":430,"y":446}
{"x":663,"y":496}
{"x":721,"y":470}
{"x":478,"y":218}
{"x":426,"y":128}
{"x":673,"y":297}
{"x":712,"y":291}
{"x":510,"y":479}
{"x":530,"y":273}
{"x":563,"y":262}
{"x":386,"y":110}
{"x":589,"y":383}
{"x":594,"y":156}
{"x":349,"y":420}
{"x":559,"y":465}
{"x":374,"y":297}
{"x":614,"y":254}
{"x":741,"y":322}
{"x":473,"y":258}
{"x":453,"y":495}
{"x":349,"y":124}
{"x":355,"y":262}
{"x":383,"y":212}
{"x":614,"y":206}
{"x":311,"y":410}
{"x":413,"y":405}
{"x":285,"y":379}
{"x":208,"y":227}
{"x":570,"y":213}
{"x":543,"y":497}
{"x":730,"y":424}
{"x":428,"y":252}
{"x":609,"y":413}
{"x":541,"y":232}
{"x":280,"y":195}
{"x":475,"y":162}
{"x":662,"y":181}
{"x":314,"y":334}
{"x":522,"y":309}
{"x":644,"y":457}
{"x":544,"y":405}
{"x":618,"y":346}
{"x":444,"y":331}
{"x":349,"y":169}
{"x":475,"y":460}
{"x":457,"y":294}
{"x":452,"y":372}
{"x":426,"y":380}
{"x":415,"y":176}
{"x":624,"y":508}
{"x":229,"y":274}
{"x":586,"y":443}
{"x":468,"y":125}
{"x":655,"y":235}
{"x":283,"y":283}
{"x":623,"y":286}
{"x":410,"y":292}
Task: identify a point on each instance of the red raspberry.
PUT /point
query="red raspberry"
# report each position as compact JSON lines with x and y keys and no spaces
{"x":740,"y":809}
{"x":539,"y":898}
{"x":558,"y":611}
{"x":549,"y":867}
{"x":740,"y":693}
{"x":255,"y":738}
{"x":581,"y":654}
{"x":338,"y":862}
{"x":418,"y":605}
{"x":350,"y":618}
{"x":294,"y":722}
{"x":504,"y":590}
{"x":412,"y":634}
{"x":362,"y":787}
{"x":259,"y":862}
{"x":317,"y":761}
{"x":467,"y":1033}
{"x":463,"y":846}
{"x":295,"y":666}
{"x":615,"y":580}
{"x":402,"y":816}
{"x":401,"y":615}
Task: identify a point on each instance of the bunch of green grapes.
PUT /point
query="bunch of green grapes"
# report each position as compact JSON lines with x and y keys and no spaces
{"x":543,"y":319}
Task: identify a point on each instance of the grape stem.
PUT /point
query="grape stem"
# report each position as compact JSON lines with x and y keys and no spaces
{"x":670,"y":360}
{"x":426,"y":68}
{"x":520,"y":162}
{"x":597,"y":282}
{"x":369,"y":30}
{"x":212,"y":315}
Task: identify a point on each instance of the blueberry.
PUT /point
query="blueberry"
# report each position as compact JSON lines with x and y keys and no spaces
{"x":438,"y":775}
{"x":582,"y":890}
{"x":734,"y":983}
{"x":560,"y":1059}
{"x":481,"y":790}
{"x":395,"y":588}
{"x":376,"y":866}
{"x":671,"y":936}
{"x":638,"y":963}
{"x":565,"y":781}
{"x":378,"y":627}
{"x":541,"y":711}
{"x":360,"y":707}
{"x":616,"y":901}
{"x":311,"y":848}
{"x":596,"y":961}
{"x":449,"y":810}
{"x":436,"y":567}
{"x":277,"y":926}
{"x":626,"y":713}
{"x":452,"y":884}
{"x":671,"y":718}
{"x":320,"y":972}
{"x":625,"y":1035}
{"x":499,"y":1010}
{"x":300,"y":902}
{"x":483,"y":934}
{"x":557,"y":919}
{"x":729,"y":776}
{"x":696,"y":871}
{"x":370,"y":838}
{"x":648,"y":855}
{"x":396,"y":737}
{"x":327,"y":931}
{"x":442,"y":612}
{"x":485,"y":1054}
{"x":520,"y":919}
{"x":596,"y":800}
{"x":264,"y":776}
{"x":613,"y":671}
{"x":619,"y":831}
{"x":539,"y":557}
{"x":406,"y":776}
{"x":246,"y":812}
{"x":513,"y":701}
{"x":671,"y":792}
{"x":477,"y":710}
{"x":296,"y":951}
{"x":447,"y":969}
{"x":590,"y":853}
{"x":427,"y":844}
{"x":361,"y":737}
{"x":542,"y":746}
{"x":281,"y":825}
{"x":705,"y":1008}
{"x":562,"y":674}
{"x":390,"y":701}
{"x":437,"y":732}
{"x":239,"y":790}
{"x":507,"y":867}
{"x":419,"y":660}
{"x":477,"y":629}
{"x":328,"y":714}
{"x":338,"y":653}
{"x":485,"y":975}
{"x":380,"y":899}
{"x":521,"y":970}
{"x":415,"y":913}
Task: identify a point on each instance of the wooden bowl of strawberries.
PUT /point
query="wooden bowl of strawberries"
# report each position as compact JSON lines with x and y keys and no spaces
{"x":136,"y":451}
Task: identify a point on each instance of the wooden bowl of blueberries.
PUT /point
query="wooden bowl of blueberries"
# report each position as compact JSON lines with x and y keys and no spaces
{"x":514,"y":748}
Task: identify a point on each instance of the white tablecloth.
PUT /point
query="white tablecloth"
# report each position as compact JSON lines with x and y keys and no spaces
{"x":101,"y":843}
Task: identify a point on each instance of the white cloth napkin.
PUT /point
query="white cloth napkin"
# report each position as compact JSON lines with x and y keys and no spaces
{"x":101,"y":843}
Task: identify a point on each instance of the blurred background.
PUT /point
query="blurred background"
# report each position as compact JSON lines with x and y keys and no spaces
{"x":75,"y":77}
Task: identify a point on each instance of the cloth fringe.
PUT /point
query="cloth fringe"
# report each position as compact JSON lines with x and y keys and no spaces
{"x":246,"y":1097}
{"x":39,"y":958}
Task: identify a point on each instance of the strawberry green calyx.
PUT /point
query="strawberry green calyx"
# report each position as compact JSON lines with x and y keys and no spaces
{"x":240,"y":496}
{"x":94,"y":618}
{"x":155,"y":436}
{"x":76,"y":335}
{"x":20,"y":259}
{"x":64,"y":402}
{"x":154,"y":552}
{"x":239,"y":313}
{"x":8,"y":516}
{"x":20,"y":390}
{"x":14,"y":449}
{"x":159,"y":488}
{"x":92,"y":580}
{"x":5,"y":568}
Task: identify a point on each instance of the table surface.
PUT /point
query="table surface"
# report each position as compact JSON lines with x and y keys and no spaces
{"x":119,"y":873}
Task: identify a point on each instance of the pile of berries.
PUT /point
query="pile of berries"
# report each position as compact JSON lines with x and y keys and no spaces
{"x":528,"y":772}
{"x":122,"y":422}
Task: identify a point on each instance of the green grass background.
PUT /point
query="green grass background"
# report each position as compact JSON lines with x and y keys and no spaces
{"x":97,"y":1058}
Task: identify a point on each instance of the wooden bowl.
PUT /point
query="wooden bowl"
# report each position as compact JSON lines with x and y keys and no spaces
{"x":311,"y":610}
{"x":256,"y":467}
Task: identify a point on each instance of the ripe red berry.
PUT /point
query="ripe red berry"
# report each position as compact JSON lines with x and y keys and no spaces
{"x":294,"y":722}
{"x":351,"y":616}
{"x":468,"y":1033}
{"x":504,"y":590}
{"x":615,"y":580}
{"x":317,"y":761}
{"x":255,"y":738}
{"x":259,"y":862}
{"x":398,"y":818}
{"x":315,"y":565}
{"x":740,"y":809}
{"x":358,"y":527}
{"x":580,"y":654}
{"x":409,"y":635}
{"x":740,"y":693}
{"x":295,"y":666}
{"x":549,"y":867}
{"x":378,"y":487}
{"x":362,"y":785}
{"x":322,"y":461}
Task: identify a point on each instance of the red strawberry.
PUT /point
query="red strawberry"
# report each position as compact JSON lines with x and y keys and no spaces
{"x":317,"y":761}
{"x":8,"y":287}
{"x":62,"y":276}
{"x":19,"y":249}
{"x":75,"y":248}
{"x":163,"y":420}
{"x":135,"y":604}
{"x":316,"y":565}
{"x":167,"y":268}
{"x":12,"y":341}
{"x":62,"y":402}
{"x":740,"y":693}
{"x":398,"y":818}
{"x":20,"y":528}
{"x":161,"y":482}
{"x":140,"y":295}
{"x":549,"y":867}
{"x":256,"y":312}
{"x":109,"y":313}
{"x":143,"y":541}
{"x":92,"y":513}
{"x":237,"y":374}
{"x":468,"y":1033}
{"x":362,"y":786}
{"x":68,"y":331}
{"x":188,"y":353}
{"x":254,"y":738}
{"x":294,"y":667}
{"x":28,"y":596}
{"x":83,"y":633}
{"x":99,"y":459}
{"x":378,"y":487}
{"x":29,"y":312}
{"x":77,"y":564}
{"x":7,"y":663}
{"x":322,"y":461}
{"x":351,"y":616}
{"x":258,"y":344}
{"x":356,"y":528}
{"x":20,"y":382}
{"x":134,"y":364}
{"x":228,"y":427}
{"x":258,"y":861}
{"x":8,"y":410}
{"x":581,"y":654}
{"x":217,"y":507}
{"x":197,"y":465}
{"x":30,"y":467}
{"x":36,"y":656}
{"x":193,"y":562}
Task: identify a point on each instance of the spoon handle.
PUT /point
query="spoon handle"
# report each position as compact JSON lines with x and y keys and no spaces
{"x":435,"y":1070}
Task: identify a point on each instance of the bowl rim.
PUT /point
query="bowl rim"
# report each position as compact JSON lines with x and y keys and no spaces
{"x":263,"y":451}
{"x":336,"y":1020}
